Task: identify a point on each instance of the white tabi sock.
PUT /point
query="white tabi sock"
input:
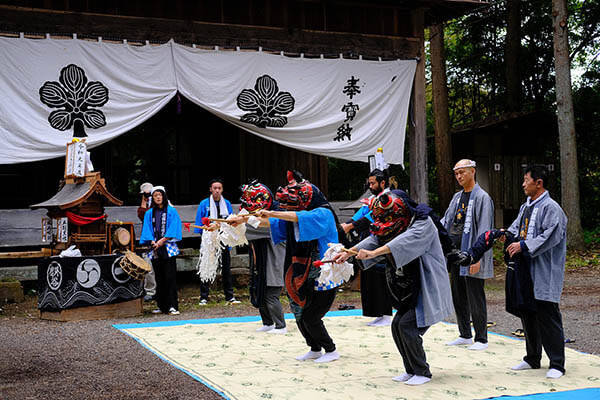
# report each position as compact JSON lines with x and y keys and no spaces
{"x":417,"y":380}
{"x":328,"y":357}
{"x":279,"y":331}
{"x":265,"y":328}
{"x":386,"y":320}
{"x":311,"y":355}
{"x":478,"y":346}
{"x":460,"y":341}
{"x":553,"y":373}
{"x":376,"y":320}
{"x":521,"y":366}
{"x":402,"y":378}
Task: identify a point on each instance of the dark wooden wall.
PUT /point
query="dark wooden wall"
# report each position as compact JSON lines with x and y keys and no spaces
{"x":367,"y":17}
{"x":513,"y":144}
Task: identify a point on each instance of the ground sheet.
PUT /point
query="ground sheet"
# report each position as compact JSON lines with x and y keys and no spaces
{"x":227,"y":355}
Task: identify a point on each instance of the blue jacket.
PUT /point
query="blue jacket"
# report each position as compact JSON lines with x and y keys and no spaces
{"x":204,"y":211}
{"x":173,"y":229}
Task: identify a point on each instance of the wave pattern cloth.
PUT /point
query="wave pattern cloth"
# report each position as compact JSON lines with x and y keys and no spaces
{"x":228,"y":356}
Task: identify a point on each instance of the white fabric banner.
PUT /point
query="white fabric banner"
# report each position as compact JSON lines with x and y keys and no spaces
{"x":332,"y":107}
{"x":55,"y":89}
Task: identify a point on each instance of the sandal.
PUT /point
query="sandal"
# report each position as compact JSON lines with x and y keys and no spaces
{"x":519,"y":332}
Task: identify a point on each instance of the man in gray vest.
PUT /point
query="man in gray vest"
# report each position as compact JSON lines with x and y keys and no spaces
{"x":470,"y":213}
{"x":540,"y":229}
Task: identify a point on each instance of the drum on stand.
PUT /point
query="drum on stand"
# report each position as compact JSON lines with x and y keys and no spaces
{"x":121,"y":238}
{"x":134,"y":265}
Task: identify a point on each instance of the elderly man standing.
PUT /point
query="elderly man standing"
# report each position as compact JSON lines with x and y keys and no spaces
{"x":470,"y":213}
{"x":540,"y":229}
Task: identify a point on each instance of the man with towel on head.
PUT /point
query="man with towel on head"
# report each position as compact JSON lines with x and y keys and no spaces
{"x":416,"y":276}
{"x":216,"y":206}
{"x":469,"y":215}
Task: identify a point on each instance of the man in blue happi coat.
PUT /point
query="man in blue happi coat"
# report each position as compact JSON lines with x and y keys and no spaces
{"x":216,"y":206}
{"x":375,"y":301}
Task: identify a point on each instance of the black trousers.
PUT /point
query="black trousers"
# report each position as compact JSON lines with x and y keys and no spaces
{"x":311,"y":324}
{"x":544,"y":328}
{"x":374,"y":293}
{"x":468,"y":296}
{"x":271,"y":311}
{"x":407,"y":336}
{"x":225,"y":277}
{"x":165,"y":271}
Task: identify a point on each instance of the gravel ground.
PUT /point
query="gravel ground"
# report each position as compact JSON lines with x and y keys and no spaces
{"x":92,"y":360}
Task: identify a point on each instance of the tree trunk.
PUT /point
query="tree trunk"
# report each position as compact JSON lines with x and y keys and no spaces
{"x":418,"y":134}
{"x":566,"y":126}
{"x":443,"y":141}
{"x":513,"y":45}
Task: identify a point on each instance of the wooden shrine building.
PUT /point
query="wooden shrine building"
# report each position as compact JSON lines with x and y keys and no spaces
{"x":182,"y":147}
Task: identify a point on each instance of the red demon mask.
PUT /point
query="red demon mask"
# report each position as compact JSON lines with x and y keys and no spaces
{"x":296,"y":195}
{"x":255,"y":196}
{"x":391,"y":216}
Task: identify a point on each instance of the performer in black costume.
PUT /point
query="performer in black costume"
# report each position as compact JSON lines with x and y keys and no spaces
{"x":266,"y":259}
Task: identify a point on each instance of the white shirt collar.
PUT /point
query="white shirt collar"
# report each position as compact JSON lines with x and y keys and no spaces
{"x":542,"y":196}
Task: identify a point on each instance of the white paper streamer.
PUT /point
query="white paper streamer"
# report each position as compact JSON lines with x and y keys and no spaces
{"x":233,"y":235}
{"x":332,"y":271}
{"x":210,"y":256}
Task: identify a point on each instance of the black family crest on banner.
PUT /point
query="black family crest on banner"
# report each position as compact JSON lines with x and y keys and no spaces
{"x":75,"y":95}
{"x":266,"y":103}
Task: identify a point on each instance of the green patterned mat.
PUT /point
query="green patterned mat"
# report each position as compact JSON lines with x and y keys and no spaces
{"x":239,"y":363}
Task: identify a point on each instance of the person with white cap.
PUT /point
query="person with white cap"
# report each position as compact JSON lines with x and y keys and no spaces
{"x":470,"y":214}
{"x":162,"y":229}
{"x":149,"y":279}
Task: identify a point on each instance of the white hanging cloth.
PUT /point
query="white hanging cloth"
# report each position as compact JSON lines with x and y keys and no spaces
{"x":304,"y":103}
{"x":52,"y":89}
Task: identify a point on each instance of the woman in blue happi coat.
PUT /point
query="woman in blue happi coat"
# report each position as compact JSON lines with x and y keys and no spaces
{"x":162,"y":229}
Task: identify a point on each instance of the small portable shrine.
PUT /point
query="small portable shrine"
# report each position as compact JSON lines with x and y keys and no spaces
{"x":76,"y":213}
{"x":98,"y":283}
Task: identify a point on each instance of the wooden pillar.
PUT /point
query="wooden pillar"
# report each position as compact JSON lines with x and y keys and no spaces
{"x":418,"y":133}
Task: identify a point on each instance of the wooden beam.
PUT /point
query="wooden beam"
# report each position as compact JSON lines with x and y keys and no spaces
{"x":138,"y":29}
{"x":26,"y":254}
{"x":418,"y":133}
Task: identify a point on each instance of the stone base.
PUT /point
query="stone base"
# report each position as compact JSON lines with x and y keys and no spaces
{"x":11,"y":292}
{"x":130,"y":308}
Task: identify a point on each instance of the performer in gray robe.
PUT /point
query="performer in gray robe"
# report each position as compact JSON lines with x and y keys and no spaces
{"x":416,"y":277}
{"x":470,"y":214}
{"x":541,"y":227}
{"x":271,"y":311}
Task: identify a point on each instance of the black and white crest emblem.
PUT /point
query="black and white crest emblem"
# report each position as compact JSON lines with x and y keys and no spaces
{"x":267,"y":105}
{"x":76,"y":97}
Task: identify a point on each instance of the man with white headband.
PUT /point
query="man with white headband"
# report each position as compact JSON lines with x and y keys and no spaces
{"x":470,"y":214}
